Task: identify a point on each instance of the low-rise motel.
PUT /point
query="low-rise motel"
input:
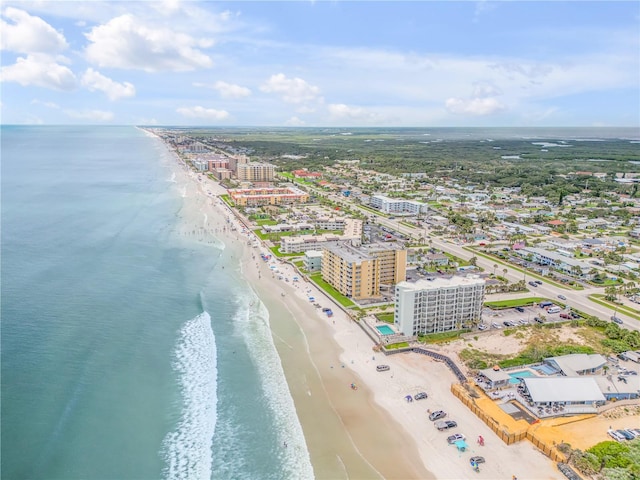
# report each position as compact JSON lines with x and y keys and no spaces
{"x":267,"y":196}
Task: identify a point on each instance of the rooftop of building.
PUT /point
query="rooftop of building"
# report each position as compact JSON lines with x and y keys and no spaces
{"x":563,"y":389}
{"x":349,"y":253}
{"x":440,"y":282}
{"x":577,"y":362}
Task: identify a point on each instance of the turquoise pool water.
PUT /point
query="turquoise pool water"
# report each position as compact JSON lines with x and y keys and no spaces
{"x":515,"y":376}
{"x":385,"y":330}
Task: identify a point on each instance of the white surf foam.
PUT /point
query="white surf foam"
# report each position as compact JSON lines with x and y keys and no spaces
{"x":187,"y":450}
{"x":252,"y":322}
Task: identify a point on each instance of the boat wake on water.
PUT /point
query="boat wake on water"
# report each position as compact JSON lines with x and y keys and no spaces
{"x":187,"y":450}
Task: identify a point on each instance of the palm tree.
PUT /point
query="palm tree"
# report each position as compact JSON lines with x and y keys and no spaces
{"x":504,"y":272}
{"x":495,"y":267}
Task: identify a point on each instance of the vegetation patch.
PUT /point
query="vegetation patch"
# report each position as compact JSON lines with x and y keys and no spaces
{"x":610,"y":460}
{"x":385,"y":317}
{"x":599,"y":299}
{"x":395,"y":346}
{"x":335,"y":294}
{"x":442,"y":337}
{"x":227,"y":199}
{"x":515,"y":302}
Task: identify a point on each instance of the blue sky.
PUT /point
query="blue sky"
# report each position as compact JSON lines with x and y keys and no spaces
{"x":321,"y":63}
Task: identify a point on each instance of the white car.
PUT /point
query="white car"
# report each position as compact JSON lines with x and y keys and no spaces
{"x":482,"y":326}
{"x":615,"y":435}
{"x":496,"y":325}
{"x":522,"y":321}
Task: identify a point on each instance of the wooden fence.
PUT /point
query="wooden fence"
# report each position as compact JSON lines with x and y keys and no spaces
{"x":502,"y":431}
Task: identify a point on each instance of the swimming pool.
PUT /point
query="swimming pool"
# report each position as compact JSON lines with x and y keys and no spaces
{"x":385,"y":330}
{"x":515,"y":376}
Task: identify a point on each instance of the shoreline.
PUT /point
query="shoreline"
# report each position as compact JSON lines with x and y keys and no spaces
{"x":372,"y":432}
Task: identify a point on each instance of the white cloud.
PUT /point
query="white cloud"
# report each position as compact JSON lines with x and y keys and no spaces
{"x":227,"y":90}
{"x":39,"y":70}
{"x":341,"y":111}
{"x":53,"y":105}
{"x":124,"y":42}
{"x":29,"y":34}
{"x":484,"y":90}
{"x":295,"y":122}
{"x":96,"y":115}
{"x":292,"y":90}
{"x":93,"y":80}
{"x":474,"y":106}
{"x":201,"y":112}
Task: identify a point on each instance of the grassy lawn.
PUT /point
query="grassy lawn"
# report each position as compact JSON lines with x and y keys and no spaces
{"x":515,"y":302}
{"x":461,"y":262}
{"x":332,"y":292}
{"x":441,"y":337}
{"x":528,"y":272}
{"x":277,"y":253}
{"x":260,"y":235}
{"x":395,"y":346}
{"x":266,"y":222}
{"x":385,"y":317}
{"x":227,"y":199}
{"x":407,"y":224}
{"x":599,"y":298}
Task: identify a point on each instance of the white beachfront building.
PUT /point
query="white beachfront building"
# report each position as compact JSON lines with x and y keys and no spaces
{"x":439,"y":305}
{"x":397,"y":205}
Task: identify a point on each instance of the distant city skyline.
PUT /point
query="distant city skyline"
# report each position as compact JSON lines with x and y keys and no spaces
{"x":321,"y":63}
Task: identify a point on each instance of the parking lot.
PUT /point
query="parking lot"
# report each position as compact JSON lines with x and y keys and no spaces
{"x":511,"y":317}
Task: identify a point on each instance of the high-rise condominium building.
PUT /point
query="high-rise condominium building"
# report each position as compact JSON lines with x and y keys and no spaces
{"x":255,"y":172}
{"x":358,"y":272}
{"x":440,"y":305}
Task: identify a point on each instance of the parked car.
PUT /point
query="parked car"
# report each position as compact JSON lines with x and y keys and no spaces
{"x":420,"y":396}
{"x":482,"y":326}
{"x":520,"y":309}
{"x":382,"y":368}
{"x":445,"y":424}
{"x":438,"y":414}
{"x":615,"y":435}
{"x":477,"y":459}
{"x":522,"y":321}
{"x":496,"y":325}
{"x":562,"y":297}
{"x":455,"y":437}
{"x":538,"y":319}
{"x":626,"y":434}
{"x":507,"y":323}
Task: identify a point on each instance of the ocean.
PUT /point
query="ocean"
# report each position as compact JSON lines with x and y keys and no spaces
{"x":132,"y":347}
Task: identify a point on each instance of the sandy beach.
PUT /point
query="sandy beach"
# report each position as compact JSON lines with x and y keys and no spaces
{"x":371,"y":432}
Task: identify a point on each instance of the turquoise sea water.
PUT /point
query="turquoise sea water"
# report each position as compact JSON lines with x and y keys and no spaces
{"x":128,"y":352}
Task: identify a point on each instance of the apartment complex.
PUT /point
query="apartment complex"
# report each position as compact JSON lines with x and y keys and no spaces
{"x":304,"y":243}
{"x":267,"y":196}
{"x":358,"y":272}
{"x":397,"y":205}
{"x":255,"y":172}
{"x":439,"y":305}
